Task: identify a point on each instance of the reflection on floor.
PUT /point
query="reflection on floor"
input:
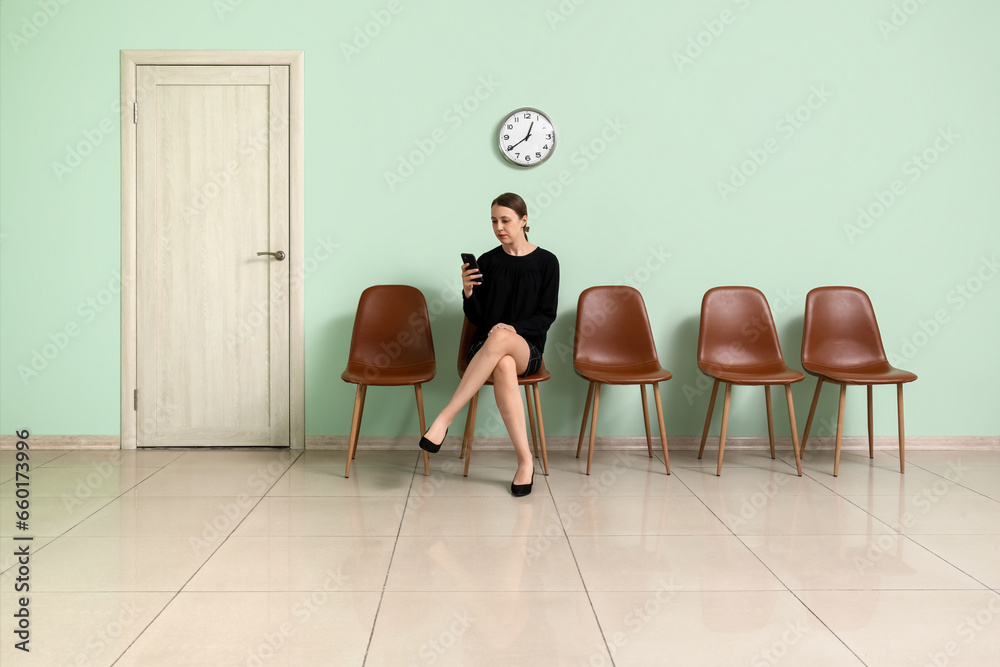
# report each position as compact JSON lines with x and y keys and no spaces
{"x":251,"y":558}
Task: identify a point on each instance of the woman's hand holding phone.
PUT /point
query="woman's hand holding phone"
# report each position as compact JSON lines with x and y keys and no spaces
{"x":470,"y":274}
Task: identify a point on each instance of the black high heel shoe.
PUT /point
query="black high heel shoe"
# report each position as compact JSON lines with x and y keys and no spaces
{"x":519,"y":490}
{"x":429,"y":446}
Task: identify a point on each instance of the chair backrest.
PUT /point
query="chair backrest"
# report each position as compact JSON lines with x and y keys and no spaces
{"x":737,"y":330}
{"x":612,"y":328}
{"x":392,"y":328}
{"x":840,"y":330}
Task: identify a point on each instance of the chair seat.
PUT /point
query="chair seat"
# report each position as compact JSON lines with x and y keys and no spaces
{"x":774,"y":373}
{"x":875,"y":373}
{"x":644,"y":373}
{"x":376,"y":376}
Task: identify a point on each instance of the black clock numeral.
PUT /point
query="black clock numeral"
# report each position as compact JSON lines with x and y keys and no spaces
{"x":538,"y":155}
{"x":517,"y":155}
{"x":527,"y":158}
{"x":509,"y":126}
{"x":506,"y":137}
{"x":547,"y":136}
{"x":527,"y":115}
{"x":545,"y":147}
{"x":510,"y":148}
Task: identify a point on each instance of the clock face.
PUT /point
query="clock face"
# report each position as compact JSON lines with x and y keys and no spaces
{"x":526,"y":137}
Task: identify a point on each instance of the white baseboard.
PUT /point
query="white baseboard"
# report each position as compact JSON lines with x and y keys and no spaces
{"x":676,"y":442}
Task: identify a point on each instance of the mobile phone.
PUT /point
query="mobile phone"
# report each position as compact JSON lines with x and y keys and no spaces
{"x":470,"y":259}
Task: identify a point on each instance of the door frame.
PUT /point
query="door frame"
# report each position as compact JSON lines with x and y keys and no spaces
{"x":130,"y":60}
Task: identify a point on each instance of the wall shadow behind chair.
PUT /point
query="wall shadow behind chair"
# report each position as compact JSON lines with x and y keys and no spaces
{"x":532,"y":398}
{"x":841,"y":344}
{"x":614,"y":345}
{"x":738,"y":344}
{"x":391,"y":346}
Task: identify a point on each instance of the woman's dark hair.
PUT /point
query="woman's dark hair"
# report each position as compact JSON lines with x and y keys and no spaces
{"x":514,"y":203}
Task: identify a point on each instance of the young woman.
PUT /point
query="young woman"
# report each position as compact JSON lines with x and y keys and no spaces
{"x":512,"y":301}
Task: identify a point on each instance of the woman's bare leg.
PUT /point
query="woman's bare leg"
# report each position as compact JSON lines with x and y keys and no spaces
{"x":499,"y":344}
{"x":508,"y":396}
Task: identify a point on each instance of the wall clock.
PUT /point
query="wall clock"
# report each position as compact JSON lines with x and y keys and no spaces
{"x":526,"y":137}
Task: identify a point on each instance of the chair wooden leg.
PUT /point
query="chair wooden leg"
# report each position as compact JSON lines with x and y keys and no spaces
{"x":770,"y":418}
{"x":809,"y":419}
{"x":840,"y":429}
{"x":470,"y":424}
{"x":541,"y":427}
{"x":725,"y":422}
{"x":352,"y":440}
{"x":663,"y":430}
{"x":645,"y":420}
{"x":871,"y":426}
{"x":361,"y":414}
{"x":708,"y":418}
{"x":420,"y":415}
{"x":902,"y":447}
{"x":593,"y":425}
{"x":795,"y":435}
{"x":586,"y":411}
{"x":529,"y":401}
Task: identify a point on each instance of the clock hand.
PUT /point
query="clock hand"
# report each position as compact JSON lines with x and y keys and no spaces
{"x":526,"y":137}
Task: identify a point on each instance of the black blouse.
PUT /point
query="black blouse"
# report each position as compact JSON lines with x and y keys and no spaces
{"x":520,"y":291}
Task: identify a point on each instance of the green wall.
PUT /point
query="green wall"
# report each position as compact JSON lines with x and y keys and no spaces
{"x":655,"y":103}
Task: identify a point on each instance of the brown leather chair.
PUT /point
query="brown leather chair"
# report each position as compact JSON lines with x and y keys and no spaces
{"x":614,"y":345}
{"x":841,"y":344}
{"x":738,"y":344}
{"x":391,"y":346}
{"x":533,"y":399}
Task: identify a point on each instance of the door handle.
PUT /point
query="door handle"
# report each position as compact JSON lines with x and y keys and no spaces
{"x":277,"y":255}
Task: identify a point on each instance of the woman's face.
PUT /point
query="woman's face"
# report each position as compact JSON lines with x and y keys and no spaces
{"x":506,"y":225}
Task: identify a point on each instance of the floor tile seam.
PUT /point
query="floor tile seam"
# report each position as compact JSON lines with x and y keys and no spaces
{"x":867,"y":513}
{"x":55,"y":538}
{"x":918,"y":545}
{"x":586,"y":590}
{"x":199,"y":568}
{"x":392,"y":556}
{"x":819,"y":620}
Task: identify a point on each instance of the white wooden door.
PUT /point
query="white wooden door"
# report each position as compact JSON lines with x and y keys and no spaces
{"x":212,"y":182}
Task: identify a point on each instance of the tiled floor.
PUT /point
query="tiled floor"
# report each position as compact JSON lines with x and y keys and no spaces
{"x":269,"y":558}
